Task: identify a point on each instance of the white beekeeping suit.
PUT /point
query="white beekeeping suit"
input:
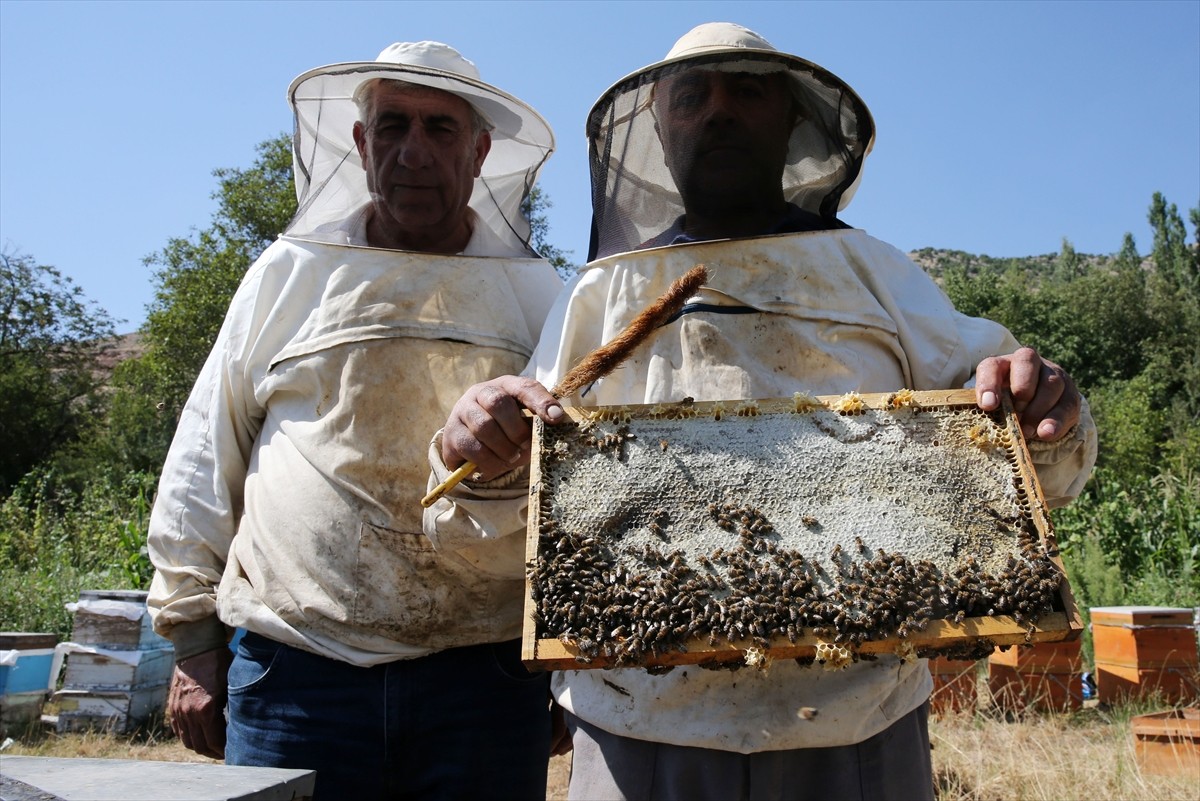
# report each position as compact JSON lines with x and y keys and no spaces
{"x":305,"y":435}
{"x":808,"y":304}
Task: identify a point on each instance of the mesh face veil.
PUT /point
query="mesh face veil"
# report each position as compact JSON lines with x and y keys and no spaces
{"x":635,"y":197}
{"x":331,"y":184}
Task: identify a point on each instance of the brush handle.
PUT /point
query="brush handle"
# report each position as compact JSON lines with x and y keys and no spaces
{"x":452,"y":480}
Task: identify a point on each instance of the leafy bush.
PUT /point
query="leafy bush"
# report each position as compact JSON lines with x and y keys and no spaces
{"x":55,"y":542}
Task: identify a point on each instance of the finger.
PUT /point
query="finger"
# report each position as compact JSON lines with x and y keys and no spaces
{"x":531,"y":395}
{"x":990,"y":381}
{"x":203,"y":732}
{"x":488,"y":426}
{"x":504,"y":406}
{"x":214,"y":737}
{"x":1024,"y":376}
{"x":1055,"y":407}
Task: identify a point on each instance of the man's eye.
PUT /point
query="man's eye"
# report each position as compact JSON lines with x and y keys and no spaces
{"x":750,"y":89}
{"x":687,"y":100}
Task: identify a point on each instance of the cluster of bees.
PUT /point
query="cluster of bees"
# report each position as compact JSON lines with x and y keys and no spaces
{"x":631,"y":603}
{"x":630,"y":600}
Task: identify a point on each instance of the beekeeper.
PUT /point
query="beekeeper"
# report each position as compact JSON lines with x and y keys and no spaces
{"x":732,"y":154}
{"x":289,"y":502}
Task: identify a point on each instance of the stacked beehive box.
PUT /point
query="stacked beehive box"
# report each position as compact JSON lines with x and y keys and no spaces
{"x":117,"y":668}
{"x":1041,"y":676}
{"x":1168,"y":742}
{"x":1142,"y":650}
{"x":954,"y":685}
{"x":25,"y":677}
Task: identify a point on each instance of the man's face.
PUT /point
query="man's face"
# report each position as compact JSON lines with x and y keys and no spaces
{"x":421,"y":157}
{"x":725,"y":135}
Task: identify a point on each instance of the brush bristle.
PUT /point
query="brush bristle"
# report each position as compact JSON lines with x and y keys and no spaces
{"x":608,"y":357}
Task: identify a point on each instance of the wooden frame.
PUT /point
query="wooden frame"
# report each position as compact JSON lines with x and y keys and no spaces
{"x":613,"y":448}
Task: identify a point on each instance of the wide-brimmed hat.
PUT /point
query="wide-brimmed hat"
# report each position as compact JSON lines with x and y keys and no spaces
{"x":330,"y":181}
{"x":634,"y":196}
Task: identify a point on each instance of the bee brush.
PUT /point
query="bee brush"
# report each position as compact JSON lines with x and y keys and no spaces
{"x":606,"y":358}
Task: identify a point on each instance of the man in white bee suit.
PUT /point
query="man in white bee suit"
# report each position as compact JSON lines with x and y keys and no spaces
{"x":729,"y":139}
{"x":289,"y":505}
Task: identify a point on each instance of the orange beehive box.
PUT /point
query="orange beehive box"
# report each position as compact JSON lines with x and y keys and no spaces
{"x":1168,"y":742}
{"x":1145,"y":649}
{"x":954,"y":685}
{"x":1039,"y":676}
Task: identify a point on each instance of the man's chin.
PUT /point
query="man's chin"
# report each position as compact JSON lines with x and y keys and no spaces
{"x":723,"y":188}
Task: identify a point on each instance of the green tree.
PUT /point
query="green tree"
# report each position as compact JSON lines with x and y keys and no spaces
{"x":1175,"y":262}
{"x":50,"y":340}
{"x":1127,"y":258}
{"x":535,"y":207}
{"x":1068,"y":265}
{"x":1173,"y":298}
{"x":196,"y":277}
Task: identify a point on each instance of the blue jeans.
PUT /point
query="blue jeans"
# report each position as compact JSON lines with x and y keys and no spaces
{"x":468,"y":722}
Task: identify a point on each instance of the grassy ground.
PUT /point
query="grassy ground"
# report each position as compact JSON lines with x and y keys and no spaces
{"x":977,"y":756}
{"x":1088,"y":754}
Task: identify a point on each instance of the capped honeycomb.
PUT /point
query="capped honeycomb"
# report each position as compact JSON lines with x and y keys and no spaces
{"x":825,"y":529}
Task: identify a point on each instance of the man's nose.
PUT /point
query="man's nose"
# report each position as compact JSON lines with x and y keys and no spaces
{"x":721,"y":105}
{"x":414,"y":151}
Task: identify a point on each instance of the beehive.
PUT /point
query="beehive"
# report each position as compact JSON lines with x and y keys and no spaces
{"x":1168,"y":742}
{"x":1045,"y":675}
{"x":822,"y":529}
{"x":954,"y":685}
{"x":117,"y":669}
{"x":26,"y":668}
{"x":1142,"y":650}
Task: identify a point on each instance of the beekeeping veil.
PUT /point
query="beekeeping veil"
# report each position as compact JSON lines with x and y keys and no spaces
{"x":634,"y":197}
{"x":330,"y":181}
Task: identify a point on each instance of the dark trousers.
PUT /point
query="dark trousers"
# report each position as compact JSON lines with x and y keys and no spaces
{"x":894,"y":764}
{"x":463,"y":723}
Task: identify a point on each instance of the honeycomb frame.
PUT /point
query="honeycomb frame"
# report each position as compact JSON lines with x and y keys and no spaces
{"x":727,"y":534}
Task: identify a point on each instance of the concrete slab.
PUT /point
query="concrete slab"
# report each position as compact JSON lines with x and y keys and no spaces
{"x":142,"y":780}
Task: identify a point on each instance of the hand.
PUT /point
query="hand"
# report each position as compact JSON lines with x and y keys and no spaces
{"x":486,"y":425}
{"x":1044,"y":396}
{"x":196,"y":702}
{"x":560,"y":735}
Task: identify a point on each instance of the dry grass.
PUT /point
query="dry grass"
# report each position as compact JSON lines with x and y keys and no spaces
{"x":977,"y":756}
{"x":154,"y":742}
{"x":1088,"y":754}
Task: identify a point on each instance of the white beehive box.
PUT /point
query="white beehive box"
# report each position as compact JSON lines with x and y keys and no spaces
{"x":114,"y":619}
{"x":92,"y":668}
{"x":117,"y":711}
{"x":117,"y":669}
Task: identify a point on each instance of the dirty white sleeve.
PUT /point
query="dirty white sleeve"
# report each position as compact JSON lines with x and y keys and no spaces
{"x":200,"y":491}
{"x":473,"y":513}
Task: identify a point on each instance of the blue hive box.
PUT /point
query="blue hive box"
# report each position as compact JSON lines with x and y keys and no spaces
{"x":26,"y":661}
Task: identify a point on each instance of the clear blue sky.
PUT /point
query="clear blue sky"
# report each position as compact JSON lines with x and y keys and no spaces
{"x":1003,"y":127}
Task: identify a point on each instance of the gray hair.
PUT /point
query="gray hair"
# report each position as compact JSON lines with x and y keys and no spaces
{"x":364,"y":95}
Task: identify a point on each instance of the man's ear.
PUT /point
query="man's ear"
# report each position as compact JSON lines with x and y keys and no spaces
{"x":360,"y":142}
{"x":483,"y":145}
